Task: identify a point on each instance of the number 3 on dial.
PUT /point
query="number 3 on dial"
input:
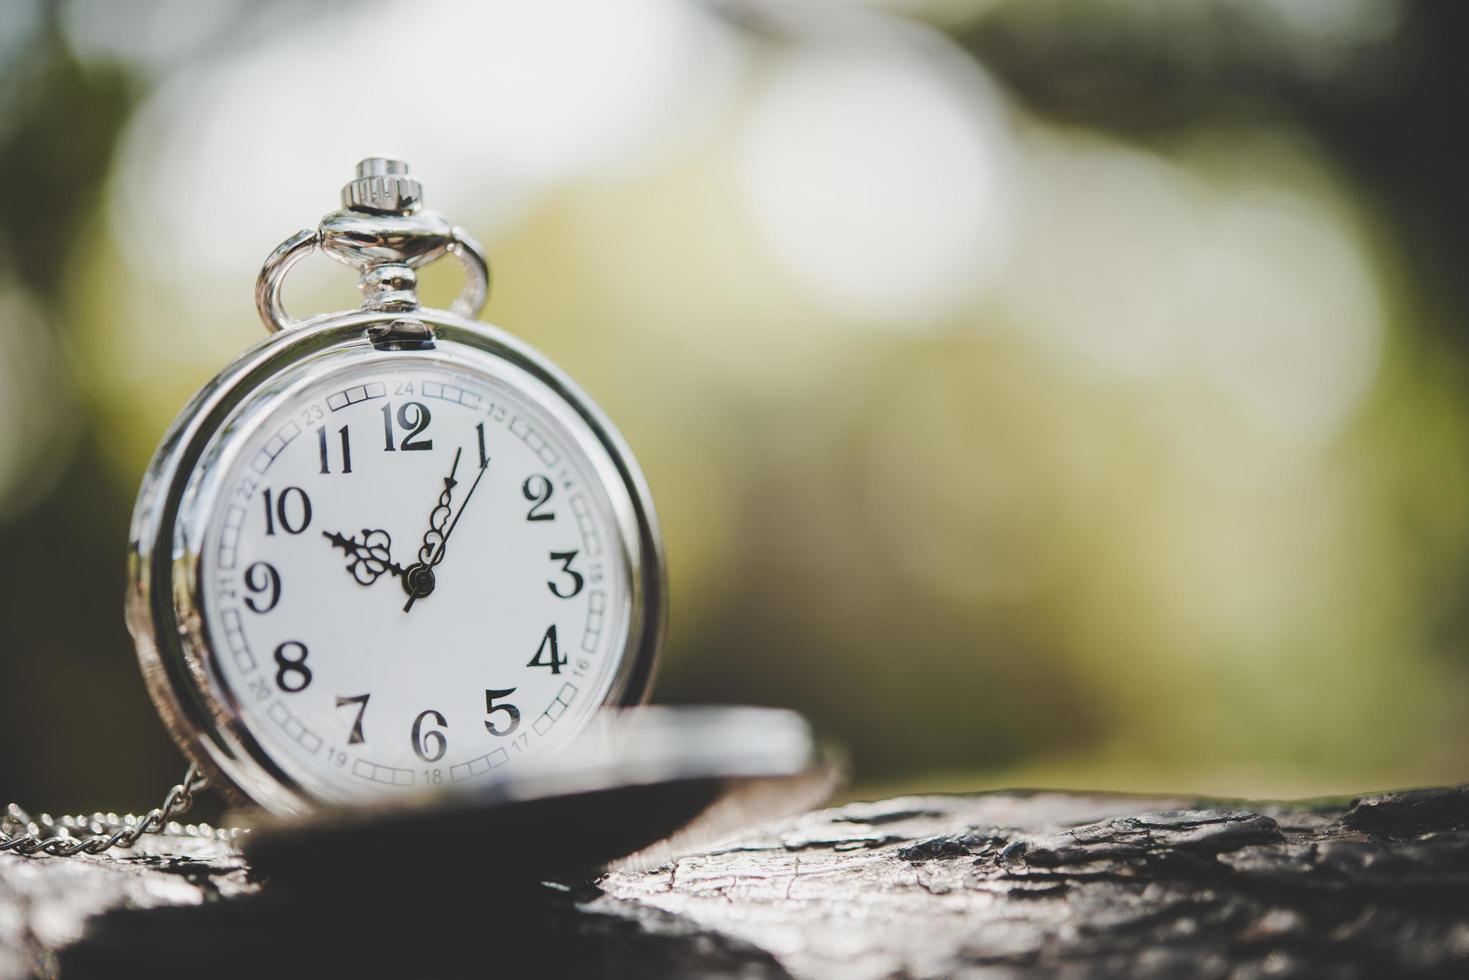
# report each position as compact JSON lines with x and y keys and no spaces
{"x":577,"y":581}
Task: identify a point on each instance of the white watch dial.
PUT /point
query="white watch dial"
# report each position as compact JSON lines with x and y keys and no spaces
{"x":412,"y":577}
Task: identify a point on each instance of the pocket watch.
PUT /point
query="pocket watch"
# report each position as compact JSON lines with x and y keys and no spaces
{"x":392,"y":549}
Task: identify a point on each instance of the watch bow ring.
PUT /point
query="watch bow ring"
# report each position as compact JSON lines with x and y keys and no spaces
{"x":383,"y":232}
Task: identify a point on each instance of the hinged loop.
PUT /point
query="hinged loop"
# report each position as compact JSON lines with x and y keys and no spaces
{"x":383,"y":232}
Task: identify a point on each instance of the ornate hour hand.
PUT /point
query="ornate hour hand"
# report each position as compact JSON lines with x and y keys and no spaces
{"x":418,"y":580}
{"x":371,"y":557}
{"x":438,"y":518}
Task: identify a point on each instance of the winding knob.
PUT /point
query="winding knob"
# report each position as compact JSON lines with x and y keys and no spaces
{"x":382,"y":186}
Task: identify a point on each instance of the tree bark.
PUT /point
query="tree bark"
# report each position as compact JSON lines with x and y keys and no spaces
{"x":993,"y":885}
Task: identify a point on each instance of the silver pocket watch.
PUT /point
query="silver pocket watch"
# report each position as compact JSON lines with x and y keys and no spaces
{"x":392,"y":549}
{"x":394,"y":553}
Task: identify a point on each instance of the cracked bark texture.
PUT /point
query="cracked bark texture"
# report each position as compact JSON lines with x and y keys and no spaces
{"x":994,"y":885}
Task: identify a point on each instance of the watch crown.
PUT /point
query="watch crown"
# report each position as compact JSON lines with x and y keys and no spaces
{"x":382,"y":186}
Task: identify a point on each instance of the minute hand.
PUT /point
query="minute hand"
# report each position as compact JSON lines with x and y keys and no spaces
{"x":439,"y":554}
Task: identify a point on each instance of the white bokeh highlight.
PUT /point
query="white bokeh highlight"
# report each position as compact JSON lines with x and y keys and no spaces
{"x":877,"y":172}
{"x":514,"y":105}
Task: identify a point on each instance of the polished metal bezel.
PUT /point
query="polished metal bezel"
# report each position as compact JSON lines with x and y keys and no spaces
{"x":166,"y":597}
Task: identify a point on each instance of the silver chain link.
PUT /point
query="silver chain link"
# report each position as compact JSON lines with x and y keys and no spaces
{"x":99,"y":832}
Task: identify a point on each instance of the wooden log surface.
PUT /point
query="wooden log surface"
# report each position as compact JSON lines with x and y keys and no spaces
{"x":992,"y":885}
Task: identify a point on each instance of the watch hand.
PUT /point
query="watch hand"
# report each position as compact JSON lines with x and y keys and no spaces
{"x":370,"y":557}
{"x":455,"y":523}
{"x":423,"y":572}
{"x":434,"y":536}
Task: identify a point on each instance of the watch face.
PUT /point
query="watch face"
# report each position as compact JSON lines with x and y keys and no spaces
{"x":413,"y":573}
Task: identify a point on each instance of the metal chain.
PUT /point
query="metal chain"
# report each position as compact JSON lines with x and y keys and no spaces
{"x":66,"y":836}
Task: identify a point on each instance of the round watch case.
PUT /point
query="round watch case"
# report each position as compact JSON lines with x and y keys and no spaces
{"x":166,"y":595}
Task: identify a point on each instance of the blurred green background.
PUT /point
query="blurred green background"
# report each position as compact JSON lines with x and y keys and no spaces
{"x":1032,"y":392}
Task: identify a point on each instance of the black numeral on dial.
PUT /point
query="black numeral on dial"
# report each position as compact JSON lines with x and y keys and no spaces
{"x":262,"y":578}
{"x":291,"y":510}
{"x":491,"y":696}
{"x":548,"y":654}
{"x":292,"y":675}
{"x":321,"y":445}
{"x":355,"y":738}
{"x":430,"y":745}
{"x":413,"y":417}
{"x":566,"y":558}
{"x":537,"y":489}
